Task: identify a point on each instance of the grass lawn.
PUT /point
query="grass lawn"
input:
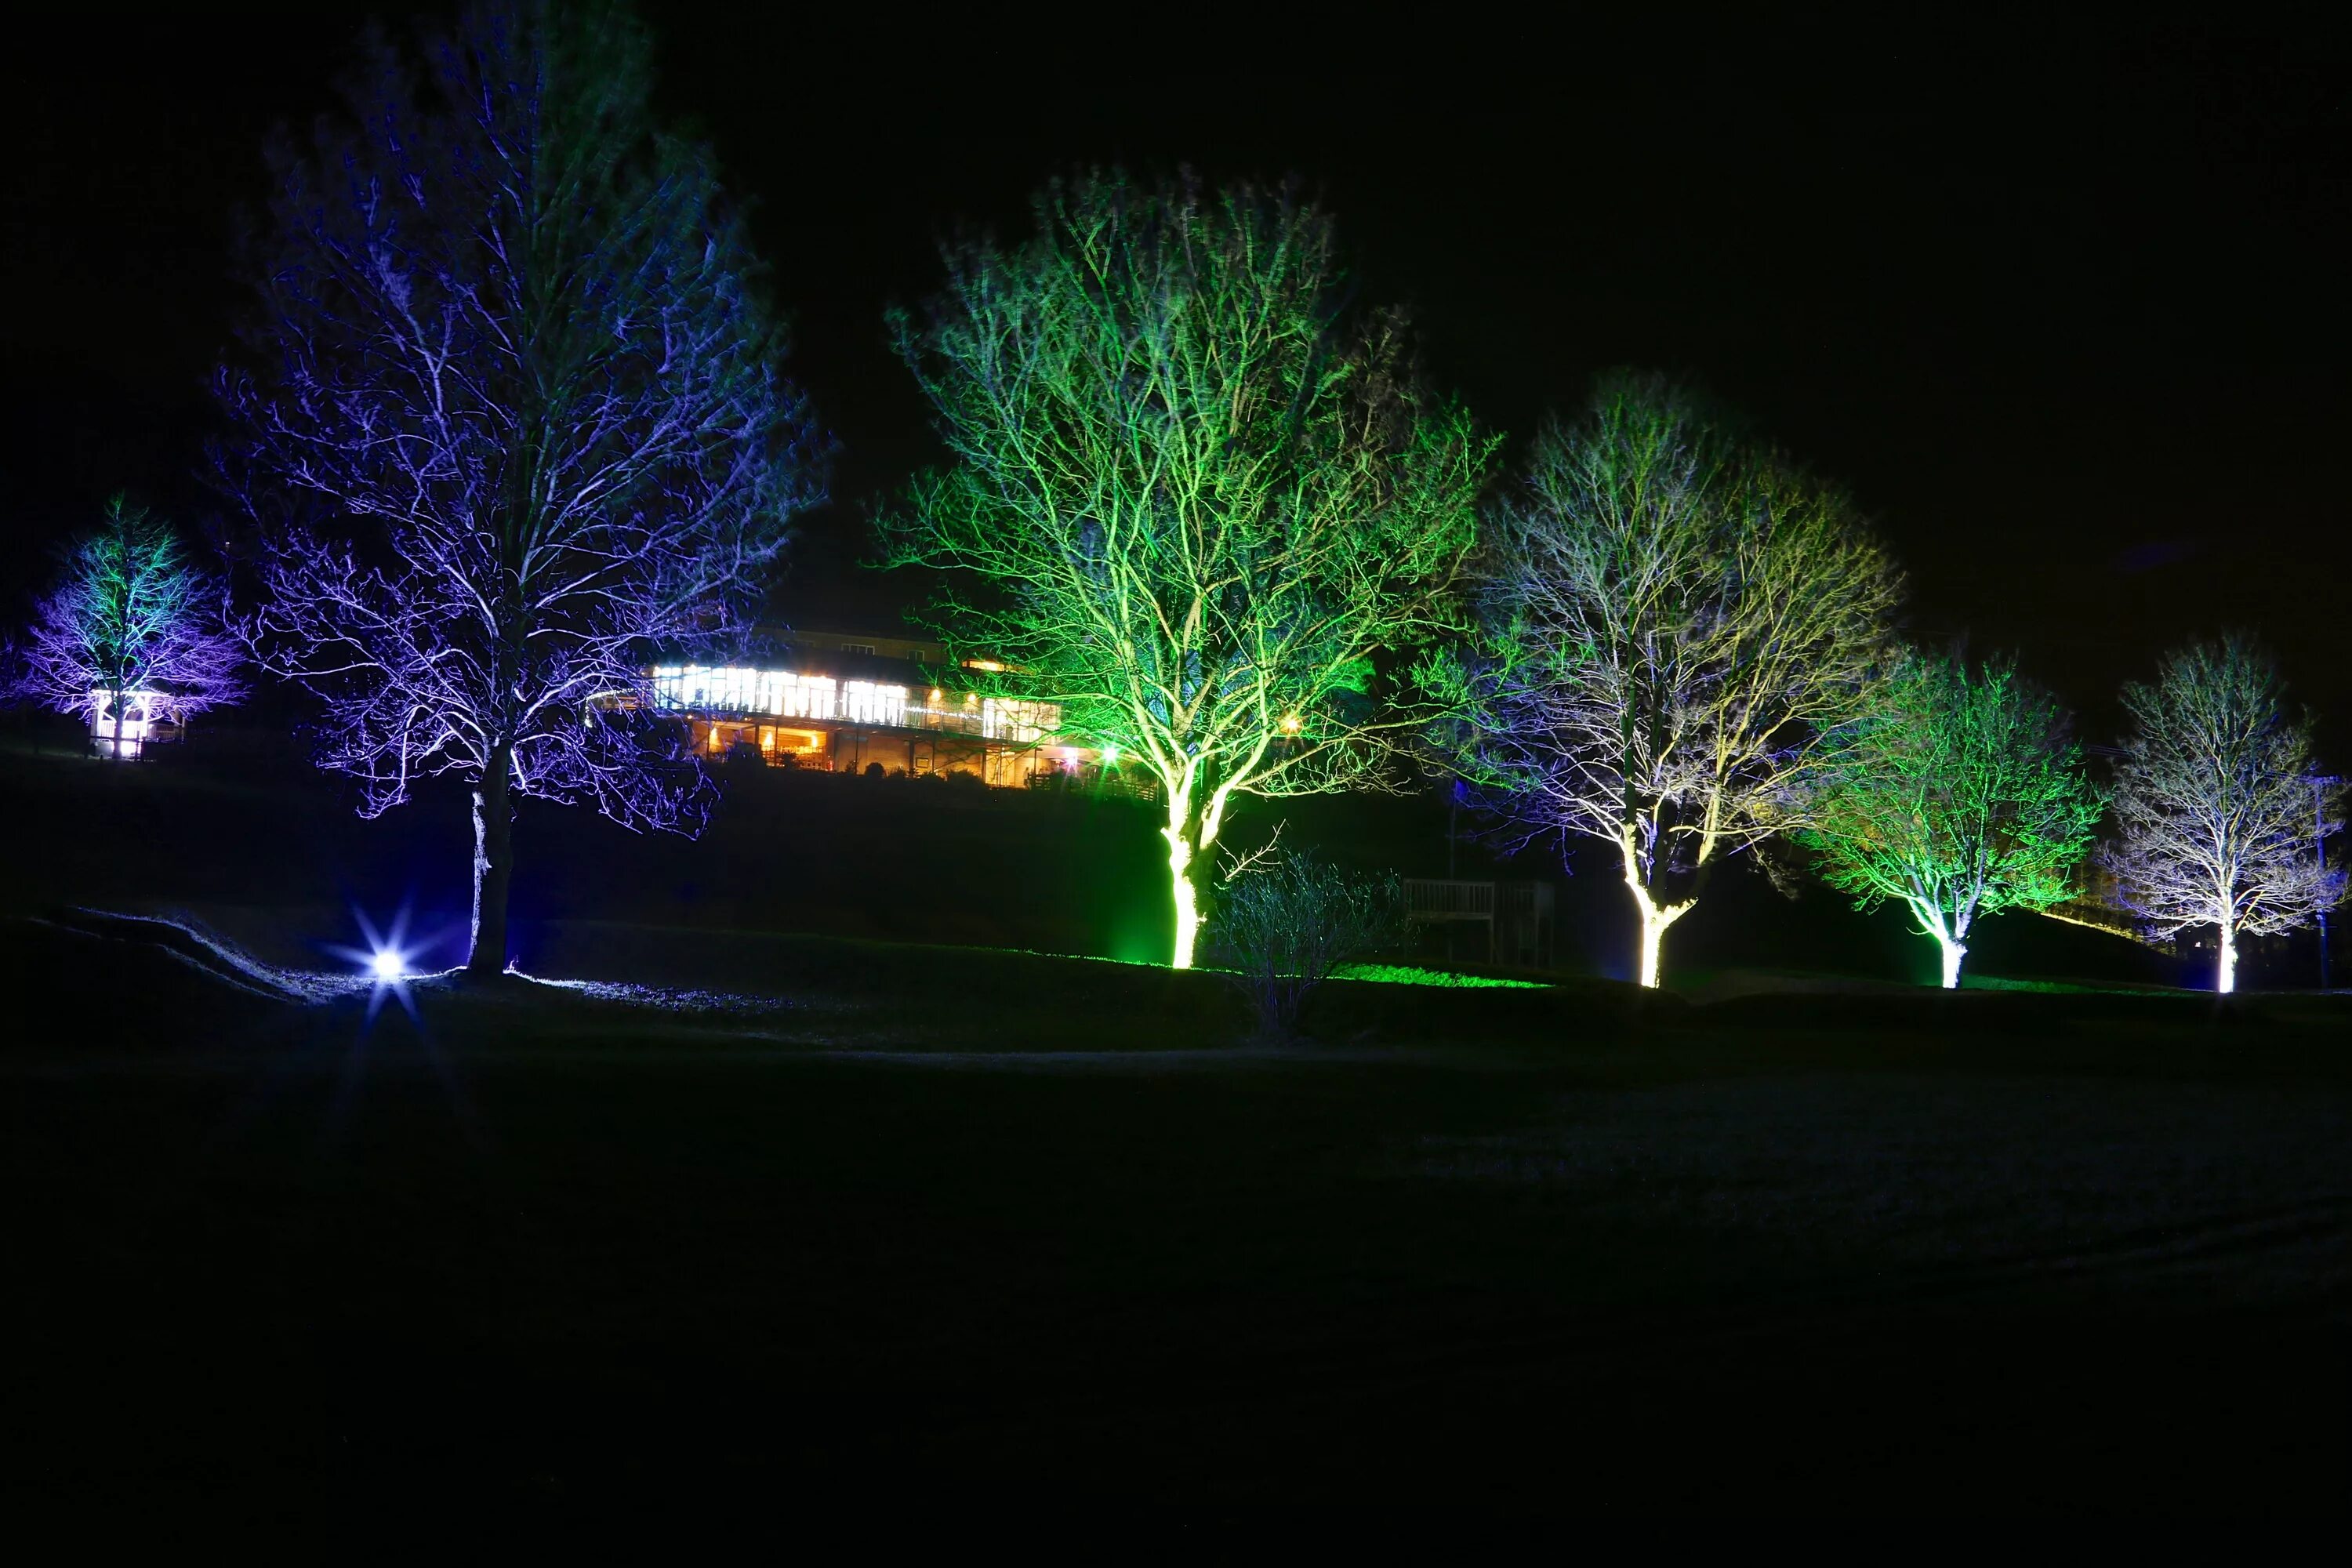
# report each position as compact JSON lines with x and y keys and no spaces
{"x":835,"y":1224}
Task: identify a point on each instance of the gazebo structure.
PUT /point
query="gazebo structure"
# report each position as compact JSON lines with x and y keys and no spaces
{"x":145,"y":718}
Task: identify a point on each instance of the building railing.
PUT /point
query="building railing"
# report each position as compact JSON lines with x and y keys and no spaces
{"x":1518,"y":915}
{"x":1428,"y":898}
{"x":1006,"y":719}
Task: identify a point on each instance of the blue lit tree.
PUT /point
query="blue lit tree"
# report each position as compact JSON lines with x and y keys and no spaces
{"x":132,"y":621}
{"x":510,"y":420}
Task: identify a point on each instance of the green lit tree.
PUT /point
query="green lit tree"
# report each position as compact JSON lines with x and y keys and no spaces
{"x":1957,"y":793}
{"x":1673,"y":626}
{"x":1194,"y":498}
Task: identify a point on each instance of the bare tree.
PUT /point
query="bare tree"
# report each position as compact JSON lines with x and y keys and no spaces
{"x":512,"y":424}
{"x":1198,"y":498}
{"x":2215,"y":793}
{"x":1676,"y":624}
{"x":132,"y":621}
{"x":1957,"y":793}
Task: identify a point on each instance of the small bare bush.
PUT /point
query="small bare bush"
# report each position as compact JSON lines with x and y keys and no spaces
{"x":1286,"y":920}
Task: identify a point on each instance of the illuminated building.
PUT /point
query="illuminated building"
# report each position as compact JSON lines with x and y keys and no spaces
{"x":848,"y":702}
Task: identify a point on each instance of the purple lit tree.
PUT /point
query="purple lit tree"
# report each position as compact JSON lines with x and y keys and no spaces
{"x":511,"y":422}
{"x":2220,"y":799}
{"x":132,"y":621}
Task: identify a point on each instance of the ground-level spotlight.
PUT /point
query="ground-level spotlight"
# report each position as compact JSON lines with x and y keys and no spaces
{"x":384,"y":958}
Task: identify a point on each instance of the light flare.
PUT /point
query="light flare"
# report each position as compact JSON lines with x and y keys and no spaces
{"x":385,"y":958}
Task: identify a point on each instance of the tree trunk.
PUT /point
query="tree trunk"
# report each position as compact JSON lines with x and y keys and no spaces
{"x":2226,"y":980}
{"x":1181,"y":856}
{"x":1655,"y":919}
{"x":1653,"y":936}
{"x":493,"y":867}
{"x":1951,"y":936}
{"x":118,"y":724}
{"x":1188,"y":918}
{"x":1191,"y":833}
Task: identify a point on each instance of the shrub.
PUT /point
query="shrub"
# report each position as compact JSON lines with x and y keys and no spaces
{"x":1285,"y":921}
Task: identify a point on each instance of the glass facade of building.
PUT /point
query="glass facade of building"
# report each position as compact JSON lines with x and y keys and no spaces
{"x":812,"y":720}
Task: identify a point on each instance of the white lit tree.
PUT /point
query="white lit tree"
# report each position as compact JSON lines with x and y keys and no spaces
{"x":1196,"y":501}
{"x":511,"y":425}
{"x":1674,"y":626}
{"x":132,"y":621}
{"x":1957,"y":793}
{"x":2222,"y":805}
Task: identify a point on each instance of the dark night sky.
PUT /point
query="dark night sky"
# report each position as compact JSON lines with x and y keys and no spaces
{"x":2067,"y":310}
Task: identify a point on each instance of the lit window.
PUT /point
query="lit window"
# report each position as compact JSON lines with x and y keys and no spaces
{"x":869,"y":702}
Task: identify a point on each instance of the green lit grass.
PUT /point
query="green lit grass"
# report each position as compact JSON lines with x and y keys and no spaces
{"x":1407,"y":975}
